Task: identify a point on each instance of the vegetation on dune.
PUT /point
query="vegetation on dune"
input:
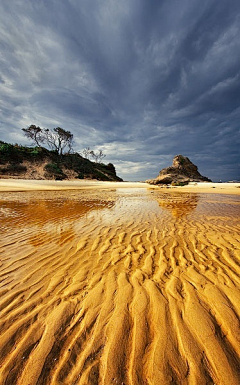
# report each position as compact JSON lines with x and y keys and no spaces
{"x":59,"y":161}
{"x":179,"y":183}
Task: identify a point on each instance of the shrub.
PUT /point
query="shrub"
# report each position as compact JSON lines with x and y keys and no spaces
{"x":179,"y":183}
{"x":13,"y":169}
{"x":10,"y":153}
{"x":181,"y":160}
{"x":55,"y":171}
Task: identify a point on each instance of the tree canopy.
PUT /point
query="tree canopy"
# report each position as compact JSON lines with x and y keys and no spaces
{"x":34,"y":133}
{"x":59,"y":140}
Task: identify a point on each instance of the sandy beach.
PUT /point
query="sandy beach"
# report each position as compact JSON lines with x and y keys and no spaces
{"x":119,"y":283}
{"x":50,"y":185}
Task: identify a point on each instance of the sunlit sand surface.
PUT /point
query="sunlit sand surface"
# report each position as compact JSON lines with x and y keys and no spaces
{"x":125,"y":286}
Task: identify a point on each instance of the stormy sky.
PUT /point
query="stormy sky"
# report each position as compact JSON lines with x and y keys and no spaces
{"x":143,"y":80}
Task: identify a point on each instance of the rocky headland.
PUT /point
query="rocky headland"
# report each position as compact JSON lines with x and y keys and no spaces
{"x":182,"y":171}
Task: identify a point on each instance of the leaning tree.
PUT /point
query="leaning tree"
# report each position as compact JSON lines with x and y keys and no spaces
{"x":57,"y":139}
{"x":34,"y":133}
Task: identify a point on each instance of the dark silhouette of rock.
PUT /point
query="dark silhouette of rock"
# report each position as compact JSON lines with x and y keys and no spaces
{"x":181,"y":171}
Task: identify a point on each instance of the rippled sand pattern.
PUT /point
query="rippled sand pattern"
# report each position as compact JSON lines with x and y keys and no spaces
{"x":119,"y":287}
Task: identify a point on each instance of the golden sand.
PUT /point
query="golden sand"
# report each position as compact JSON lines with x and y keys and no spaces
{"x":51,"y":185}
{"x":119,"y":286}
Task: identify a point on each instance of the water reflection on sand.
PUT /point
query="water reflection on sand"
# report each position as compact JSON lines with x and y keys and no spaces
{"x":119,"y":287}
{"x":39,"y":208}
{"x":179,"y":204}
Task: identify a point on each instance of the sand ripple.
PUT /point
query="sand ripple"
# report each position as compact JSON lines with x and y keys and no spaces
{"x":119,"y":287}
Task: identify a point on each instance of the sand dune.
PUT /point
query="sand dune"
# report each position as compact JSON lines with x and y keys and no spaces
{"x":125,"y":286}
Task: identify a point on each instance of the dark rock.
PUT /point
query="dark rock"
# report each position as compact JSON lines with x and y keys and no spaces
{"x":181,"y":171}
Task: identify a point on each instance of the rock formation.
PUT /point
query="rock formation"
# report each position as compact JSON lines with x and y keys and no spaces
{"x":181,"y":171}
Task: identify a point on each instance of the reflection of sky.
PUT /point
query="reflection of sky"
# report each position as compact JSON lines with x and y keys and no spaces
{"x":141,"y":80}
{"x":28,"y":210}
{"x":130,"y":191}
{"x":179,"y":205}
{"x":185,"y":204}
{"x":59,"y":212}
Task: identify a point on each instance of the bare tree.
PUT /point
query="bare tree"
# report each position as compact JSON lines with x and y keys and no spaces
{"x":34,"y":133}
{"x":98,"y":157}
{"x":57,"y":140}
{"x":86,"y":152}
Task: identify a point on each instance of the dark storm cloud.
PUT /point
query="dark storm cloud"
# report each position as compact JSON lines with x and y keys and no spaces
{"x":144,"y":80}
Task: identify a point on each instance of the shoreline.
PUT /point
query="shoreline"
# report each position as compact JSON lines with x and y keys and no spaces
{"x":203,"y":187}
{"x":10,"y":185}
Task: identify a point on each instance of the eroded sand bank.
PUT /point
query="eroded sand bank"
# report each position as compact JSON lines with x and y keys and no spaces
{"x":123,"y":286}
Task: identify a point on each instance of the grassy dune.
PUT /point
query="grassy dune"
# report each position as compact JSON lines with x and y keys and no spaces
{"x":123,"y":286}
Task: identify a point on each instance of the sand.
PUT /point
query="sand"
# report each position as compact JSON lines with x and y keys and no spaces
{"x":50,"y":185}
{"x":118,"y":285}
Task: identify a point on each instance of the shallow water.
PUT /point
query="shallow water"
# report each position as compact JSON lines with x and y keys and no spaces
{"x":123,"y":286}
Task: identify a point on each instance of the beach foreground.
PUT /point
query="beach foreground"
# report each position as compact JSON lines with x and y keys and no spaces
{"x":118,"y":285}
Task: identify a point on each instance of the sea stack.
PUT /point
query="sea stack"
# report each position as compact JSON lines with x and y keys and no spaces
{"x":181,"y":171}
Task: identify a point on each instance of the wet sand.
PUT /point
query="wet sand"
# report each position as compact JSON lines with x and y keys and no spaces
{"x":119,"y":286}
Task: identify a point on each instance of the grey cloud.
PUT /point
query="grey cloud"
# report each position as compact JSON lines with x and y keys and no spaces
{"x":145,"y":80}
